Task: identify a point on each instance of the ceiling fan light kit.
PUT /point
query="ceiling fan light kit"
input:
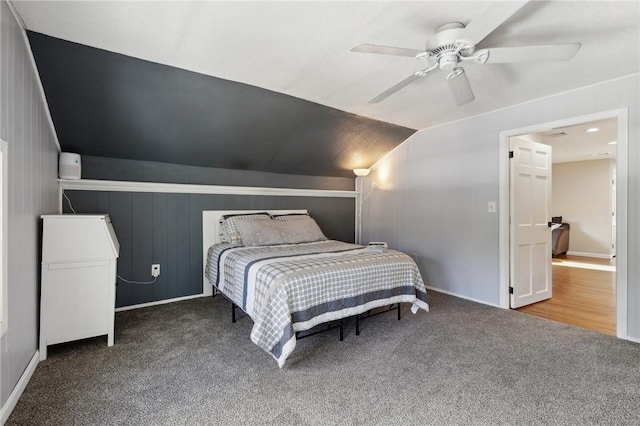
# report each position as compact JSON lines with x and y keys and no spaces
{"x":454,"y":43}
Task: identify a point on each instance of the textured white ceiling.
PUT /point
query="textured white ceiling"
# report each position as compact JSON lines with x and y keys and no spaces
{"x":574,"y":143}
{"x":302,"y":48}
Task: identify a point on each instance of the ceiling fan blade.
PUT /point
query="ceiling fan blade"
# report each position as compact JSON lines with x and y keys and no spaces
{"x":393,"y":89}
{"x":490,"y":18}
{"x":550,"y":52}
{"x":459,"y":85}
{"x":384,"y":50}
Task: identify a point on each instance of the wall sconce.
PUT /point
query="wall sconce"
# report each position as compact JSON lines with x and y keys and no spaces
{"x":361,"y":172}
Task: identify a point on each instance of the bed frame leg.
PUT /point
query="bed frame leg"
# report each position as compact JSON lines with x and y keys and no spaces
{"x":341,"y":329}
{"x":357,"y":325}
{"x":233,"y":312}
{"x":215,"y":292}
{"x":398,"y":312}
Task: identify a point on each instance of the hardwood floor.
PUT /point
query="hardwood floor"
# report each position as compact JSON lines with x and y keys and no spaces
{"x":583,"y":294}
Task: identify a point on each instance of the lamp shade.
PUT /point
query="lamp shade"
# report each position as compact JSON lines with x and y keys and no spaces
{"x":361,"y":172}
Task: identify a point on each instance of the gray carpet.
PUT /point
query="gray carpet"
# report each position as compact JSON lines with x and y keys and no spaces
{"x":462,"y":363}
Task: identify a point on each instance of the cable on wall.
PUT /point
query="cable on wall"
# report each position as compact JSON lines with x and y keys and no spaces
{"x":119,"y":277}
{"x":68,"y":202}
{"x":137,"y":282}
{"x":374,"y":186}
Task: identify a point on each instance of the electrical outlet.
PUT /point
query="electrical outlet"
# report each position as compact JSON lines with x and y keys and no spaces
{"x":155,"y":270}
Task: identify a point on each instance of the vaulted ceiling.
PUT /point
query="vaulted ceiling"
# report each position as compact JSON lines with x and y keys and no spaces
{"x":111,"y":105}
{"x":279,"y":77}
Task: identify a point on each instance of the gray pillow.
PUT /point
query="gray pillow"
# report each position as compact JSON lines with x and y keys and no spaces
{"x":229,"y":229}
{"x":301,"y":230}
{"x":291,"y":216}
{"x":274,"y":232}
{"x":259,"y":232}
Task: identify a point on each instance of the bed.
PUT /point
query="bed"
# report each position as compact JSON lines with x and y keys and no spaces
{"x":292,"y":287}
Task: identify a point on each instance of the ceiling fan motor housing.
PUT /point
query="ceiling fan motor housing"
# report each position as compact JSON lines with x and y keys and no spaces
{"x":445,"y":36}
{"x":443,"y":47}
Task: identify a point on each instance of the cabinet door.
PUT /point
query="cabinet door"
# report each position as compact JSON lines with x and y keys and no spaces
{"x":76,"y":300}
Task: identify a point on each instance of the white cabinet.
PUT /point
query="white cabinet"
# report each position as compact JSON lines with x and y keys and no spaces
{"x":79,"y":254}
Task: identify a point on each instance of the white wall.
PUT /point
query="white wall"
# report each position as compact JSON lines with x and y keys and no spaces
{"x":582,"y":196}
{"x":33,"y":190}
{"x":436,"y":185}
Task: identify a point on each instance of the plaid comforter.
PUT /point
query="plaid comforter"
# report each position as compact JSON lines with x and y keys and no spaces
{"x":294,"y":287}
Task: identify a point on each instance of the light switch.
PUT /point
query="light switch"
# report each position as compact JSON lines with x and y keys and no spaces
{"x":491,"y":207}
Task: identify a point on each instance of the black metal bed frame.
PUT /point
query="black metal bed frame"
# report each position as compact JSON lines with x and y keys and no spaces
{"x":330,"y":326}
{"x":299,"y":334}
{"x":368,"y":314}
{"x":233,"y":305}
{"x":303,"y":334}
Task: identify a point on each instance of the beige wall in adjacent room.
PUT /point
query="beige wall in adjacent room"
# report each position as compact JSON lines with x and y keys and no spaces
{"x":582,"y":196}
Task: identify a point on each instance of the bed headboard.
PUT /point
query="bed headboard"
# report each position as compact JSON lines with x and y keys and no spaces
{"x":212,"y":234}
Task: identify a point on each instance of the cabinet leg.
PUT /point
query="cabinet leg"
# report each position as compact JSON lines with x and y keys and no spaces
{"x":43,"y":351}
{"x":43,"y":345}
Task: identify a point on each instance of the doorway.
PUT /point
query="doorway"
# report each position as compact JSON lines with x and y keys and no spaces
{"x":573,"y":270}
{"x":583,"y":294}
{"x":583,"y":216}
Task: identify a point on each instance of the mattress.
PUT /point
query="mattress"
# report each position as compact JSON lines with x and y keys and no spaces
{"x":294,"y":287}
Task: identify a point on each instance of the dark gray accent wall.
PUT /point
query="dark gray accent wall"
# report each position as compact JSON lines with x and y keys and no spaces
{"x":109,"y":105}
{"x":167,"y":229}
{"x":149,"y":171}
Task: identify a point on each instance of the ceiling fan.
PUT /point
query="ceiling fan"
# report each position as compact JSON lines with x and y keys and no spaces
{"x":454,"y":43}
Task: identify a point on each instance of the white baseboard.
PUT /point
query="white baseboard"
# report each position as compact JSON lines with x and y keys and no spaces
{"x":450,"y":293}
{"x":586,"y":254}
{"x":633,"y":339}
{"x":8,"y":407}
{"x":159,"y":302}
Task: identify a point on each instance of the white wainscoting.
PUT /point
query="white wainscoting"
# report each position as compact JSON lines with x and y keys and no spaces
{"x":180,"y":188}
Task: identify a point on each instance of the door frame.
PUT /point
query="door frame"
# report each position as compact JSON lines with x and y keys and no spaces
{"x":622,"y":177}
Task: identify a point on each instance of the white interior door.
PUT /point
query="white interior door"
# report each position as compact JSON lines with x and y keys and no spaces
{"x":613,"y":211}
{"x":530,"y":251}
